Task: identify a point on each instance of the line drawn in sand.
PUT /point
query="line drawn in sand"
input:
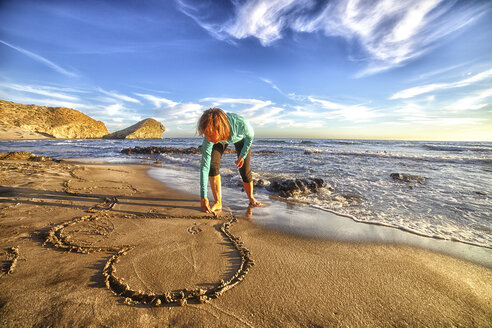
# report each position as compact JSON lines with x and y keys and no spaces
{"x":57,"y":237}
{"x":12,"y":256}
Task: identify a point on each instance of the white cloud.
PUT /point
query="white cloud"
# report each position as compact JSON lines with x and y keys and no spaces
{"x":257,"y":112}
{"x":355,"y":113}
{"x":267,"y":116}
{"x":40,"y":90}
{"x":175,"y":113}
{"x":418,"y":90}
{"x":254,"y":104}
{"x":475,"y":78}
{"x":390,"y":32}
{"x":274,"y":86}
{"x":157,"y":101}
{"x":472,"y":102}
{"x":119,"y":96}
{"x":296,"y":97}
{"x":41,"y":59}
{"x":452,"y":121}
{"x":283,"y":124}
{"x":394,"y":123}
{"x":301,"y":112}
{"x":261,"y":19}
{"x":412,"y":112}
{"x":415,"y":91}
{"x":113,"y":109}
{"x":438,"y":71}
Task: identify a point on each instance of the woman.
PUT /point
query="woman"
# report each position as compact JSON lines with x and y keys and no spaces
{"x":219,"y":130}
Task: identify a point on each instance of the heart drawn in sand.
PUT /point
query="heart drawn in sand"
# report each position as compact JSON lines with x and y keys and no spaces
{"x":167,"y":235}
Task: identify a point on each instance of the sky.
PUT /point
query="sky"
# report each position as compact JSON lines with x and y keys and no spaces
{"x":344,"y":69}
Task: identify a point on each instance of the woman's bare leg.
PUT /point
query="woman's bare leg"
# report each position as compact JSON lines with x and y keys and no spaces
{"x":248,"y":188}
{"x":216,"y":191}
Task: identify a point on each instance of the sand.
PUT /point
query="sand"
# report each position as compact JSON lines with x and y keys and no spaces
{"x":9,"y":132}
{"x":98,"y":245}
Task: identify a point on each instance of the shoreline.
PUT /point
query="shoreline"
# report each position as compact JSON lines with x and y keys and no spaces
{"x":335,"y":226}
{"x":295,"y":281}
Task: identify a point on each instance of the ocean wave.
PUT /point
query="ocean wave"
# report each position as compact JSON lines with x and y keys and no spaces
{"x":349,"y":205}
{"x":458,"y":148}
{"x":458,"y":159}
{"x":271,"y":141}
{"x":345,"y":142}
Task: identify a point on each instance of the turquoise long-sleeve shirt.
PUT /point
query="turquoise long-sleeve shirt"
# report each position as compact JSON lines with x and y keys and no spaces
{"x":240,"y":129}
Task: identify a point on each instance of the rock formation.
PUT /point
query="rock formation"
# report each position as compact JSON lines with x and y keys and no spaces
{"x":162,"y":150}
{"x":407,"y":177}
{"x":172,"y":150}
{"x":294,"y":187}
{"x":25,"y":156}
{"x":146,"y":129}
{"x":55,"y":122}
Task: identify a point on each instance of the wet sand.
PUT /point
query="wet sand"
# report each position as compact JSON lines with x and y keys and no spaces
{"x":105,"y":245}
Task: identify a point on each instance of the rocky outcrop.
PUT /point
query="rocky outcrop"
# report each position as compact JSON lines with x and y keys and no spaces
{"x":55,"y":122}
{"x":295,"y":187}
{"x":25,"y":156}
{"x":161,"y":150}
{"x":407,"y":177}
{"x":146,"y":129}
{"x":172,"y":150}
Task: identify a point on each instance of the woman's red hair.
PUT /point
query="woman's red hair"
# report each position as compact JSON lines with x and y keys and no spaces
{"x":214,"y":120}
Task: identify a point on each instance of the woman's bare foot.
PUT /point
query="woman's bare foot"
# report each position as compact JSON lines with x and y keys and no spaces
{"x":216,"y":207}
{"x":254,"y":203}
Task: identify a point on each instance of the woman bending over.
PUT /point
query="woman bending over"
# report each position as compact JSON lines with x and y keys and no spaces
{"x":220,"y":129}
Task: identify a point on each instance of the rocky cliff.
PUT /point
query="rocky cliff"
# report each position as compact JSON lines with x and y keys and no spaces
{"x":55,"y":122}
{"x":146,"y":129}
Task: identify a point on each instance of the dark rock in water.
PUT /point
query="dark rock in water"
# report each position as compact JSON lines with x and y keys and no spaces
{"x":260,"y":183}
{"x":161,"y":150}
{"x":407,"y":177}
{"x":171,"y":150}
{"x":310,"y":152}
{"x":293,"y":187}
{"x":265,"y":151}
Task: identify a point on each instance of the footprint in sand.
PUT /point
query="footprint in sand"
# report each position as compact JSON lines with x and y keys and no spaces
{"x":194,"y":229}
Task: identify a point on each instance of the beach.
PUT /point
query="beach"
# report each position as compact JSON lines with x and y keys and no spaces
{"x":76,"y":234}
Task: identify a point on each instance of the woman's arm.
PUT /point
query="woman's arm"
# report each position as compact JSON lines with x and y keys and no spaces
{"x":205,"y":166}
{"x":249,"y":134}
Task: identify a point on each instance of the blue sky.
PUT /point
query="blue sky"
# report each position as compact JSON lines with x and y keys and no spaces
{"x":387,"y":69}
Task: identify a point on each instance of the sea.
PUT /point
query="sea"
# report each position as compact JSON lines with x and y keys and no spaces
{"x":451,"y":200}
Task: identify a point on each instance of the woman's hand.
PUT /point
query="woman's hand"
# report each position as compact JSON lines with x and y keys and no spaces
{"x":205,"y":205}
{"x":239,"y":162}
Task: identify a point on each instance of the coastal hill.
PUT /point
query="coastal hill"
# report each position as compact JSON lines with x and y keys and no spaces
{"x":146,"y":129}
{"x":18,"y":121}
